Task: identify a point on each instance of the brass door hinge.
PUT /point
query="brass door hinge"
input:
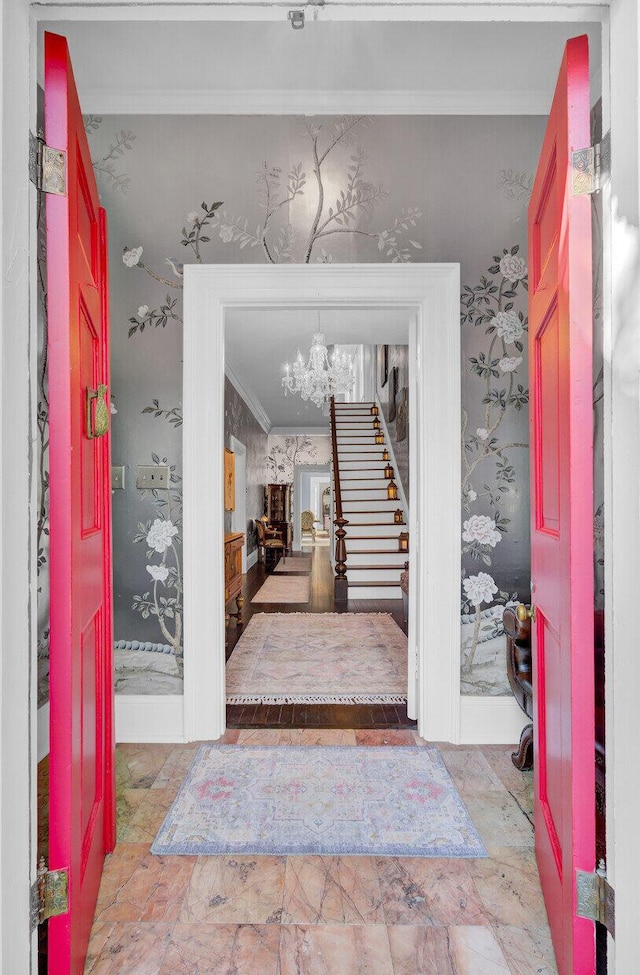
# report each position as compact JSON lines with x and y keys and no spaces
{"x":591,"y":167}
{"x":47,"y":166}
{"x":596,"y":898}
{"x":49,"y":894}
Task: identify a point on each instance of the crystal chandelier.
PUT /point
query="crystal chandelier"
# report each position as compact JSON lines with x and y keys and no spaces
{"x":322,"y":376}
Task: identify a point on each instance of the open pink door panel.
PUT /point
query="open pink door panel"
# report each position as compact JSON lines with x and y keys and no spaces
{"x":81,"y":728}
{"x":560,"y":343}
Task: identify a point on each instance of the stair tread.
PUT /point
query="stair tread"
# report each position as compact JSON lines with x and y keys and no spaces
{"x":374,"y":551}
{"x":374,"y":568}
{"x":396,"y":585}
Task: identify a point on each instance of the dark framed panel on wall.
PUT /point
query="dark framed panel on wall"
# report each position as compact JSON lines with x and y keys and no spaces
{"x":393,"y":392}
{"x":383,"y":364}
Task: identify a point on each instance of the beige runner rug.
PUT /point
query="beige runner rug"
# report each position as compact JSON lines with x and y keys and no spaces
{"x":294,"y":563}
{"x":284,"y":589}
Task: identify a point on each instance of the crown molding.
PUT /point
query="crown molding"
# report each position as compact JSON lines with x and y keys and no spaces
{"x":300,"y":431}
{"x":132,"y":101}
{"x":253,"y":403}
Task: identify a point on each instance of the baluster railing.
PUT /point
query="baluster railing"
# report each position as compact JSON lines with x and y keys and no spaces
{"x":340,"y":585}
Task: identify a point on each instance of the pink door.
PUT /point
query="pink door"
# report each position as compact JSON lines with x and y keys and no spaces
{"x":81,"y":759}
{"x":560,"y":338}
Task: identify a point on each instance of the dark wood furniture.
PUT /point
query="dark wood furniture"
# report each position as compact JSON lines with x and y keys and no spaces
{"x":269,"y":541}
{"x":519,"y":673}
{"x":233,"y":543}
{"x":520,"y":678}
{"x":279,"y":513}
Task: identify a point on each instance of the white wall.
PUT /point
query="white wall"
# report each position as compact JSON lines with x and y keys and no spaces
{"x":622,"y":481}
{"x":17,"y":602}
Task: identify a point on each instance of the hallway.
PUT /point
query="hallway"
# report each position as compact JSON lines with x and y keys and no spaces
{"x":321,"y":601}
{"x":245,"y":915}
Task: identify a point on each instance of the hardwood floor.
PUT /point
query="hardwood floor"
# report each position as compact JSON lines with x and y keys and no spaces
{"x":321,"y":601}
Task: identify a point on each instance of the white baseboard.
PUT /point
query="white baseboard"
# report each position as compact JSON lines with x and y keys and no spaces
{"x":43,"y":731}
{"x":252,"y":558}
{"x":490,"y":720}
{"x":149,"y":718}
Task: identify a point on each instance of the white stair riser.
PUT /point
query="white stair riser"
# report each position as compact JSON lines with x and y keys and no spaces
{"x":392,"y":557}
{"x":387,"y":530}
{"x":373,"y":495}
{"x":351,"y":451}
{"x":351,"y":504}
{"x":357,"y":546}
{"x":374,"y":592}
{"x":372,"y":466}
{"x":377,"y":520}
{"x":381,"y":577}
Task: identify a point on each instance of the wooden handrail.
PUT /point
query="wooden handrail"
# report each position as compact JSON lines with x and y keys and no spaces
{"x":340,"y":556}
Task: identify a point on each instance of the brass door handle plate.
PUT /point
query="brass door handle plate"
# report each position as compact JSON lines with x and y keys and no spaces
{"x":98,"y":416}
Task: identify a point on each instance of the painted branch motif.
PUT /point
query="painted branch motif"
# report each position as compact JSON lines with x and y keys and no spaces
{"x":162,"y":537}
{"x":494,"y":305}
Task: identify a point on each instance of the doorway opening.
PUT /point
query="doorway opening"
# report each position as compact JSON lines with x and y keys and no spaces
{"x":428,"y":293}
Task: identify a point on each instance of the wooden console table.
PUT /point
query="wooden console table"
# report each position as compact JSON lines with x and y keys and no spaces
{"x":233,"y":574}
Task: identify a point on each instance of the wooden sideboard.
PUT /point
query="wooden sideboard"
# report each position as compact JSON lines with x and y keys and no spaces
{"x":233,"y":543}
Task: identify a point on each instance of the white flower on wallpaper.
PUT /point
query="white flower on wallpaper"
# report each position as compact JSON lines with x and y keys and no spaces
{"x":482,"y":434}
{"x":162,"y":537}
{"x":510,"y":363}
{"x":143,"y":311}
{"x":513,"y":268}
{"x":161,"y":534}
{"x":480,"y":588}
{"x":192,"y":216}
{"x":131,"y":256}
{"x":480,"y":529}
{"x":159,"y":573}
{"x":508,"y":326}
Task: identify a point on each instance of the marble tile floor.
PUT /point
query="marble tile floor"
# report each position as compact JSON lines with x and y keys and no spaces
{"x":264,"y":915}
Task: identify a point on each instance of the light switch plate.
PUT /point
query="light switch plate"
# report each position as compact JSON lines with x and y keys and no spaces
{"x":152,"y":478}
{"x":117,"y":478}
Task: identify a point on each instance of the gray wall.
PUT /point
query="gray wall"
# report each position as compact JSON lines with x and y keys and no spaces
{"x":422,"y":189}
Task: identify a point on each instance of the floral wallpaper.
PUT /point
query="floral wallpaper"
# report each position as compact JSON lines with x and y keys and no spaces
{"x":349,"y":189}
{"x":287,"y":453}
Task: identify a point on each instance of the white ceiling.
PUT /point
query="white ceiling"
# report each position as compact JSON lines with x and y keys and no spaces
{"x":145,"y":66}
{"x":258,"y":343}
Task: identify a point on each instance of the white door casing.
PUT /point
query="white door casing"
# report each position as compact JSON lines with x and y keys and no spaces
{"x":430,"y":293}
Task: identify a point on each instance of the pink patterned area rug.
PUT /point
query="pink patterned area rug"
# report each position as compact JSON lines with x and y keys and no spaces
{"x":318,"y":800}
{"x":294,"y":563}
{"x":284,"y":589}
{"x":319,"y":658}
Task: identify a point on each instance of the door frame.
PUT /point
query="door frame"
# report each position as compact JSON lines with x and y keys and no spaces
{"x":18,"y":622}
{"x":430,"y":293}
{"x":299,"y":472}
{"x":239,"y":513}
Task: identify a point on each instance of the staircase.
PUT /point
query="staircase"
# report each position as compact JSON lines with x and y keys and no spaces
{"x":374,"y":564}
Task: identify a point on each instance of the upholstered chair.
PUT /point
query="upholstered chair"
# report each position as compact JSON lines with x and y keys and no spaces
{"x":268,"y":540}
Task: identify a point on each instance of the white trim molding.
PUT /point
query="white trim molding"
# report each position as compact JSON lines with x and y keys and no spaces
{"x":252,"y":402}
{"x":301,"y":431}
{"x":490,"y":720}
{"x":150,"y":718}
{"x":430,"y":293}
{"x":125,"y":101}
